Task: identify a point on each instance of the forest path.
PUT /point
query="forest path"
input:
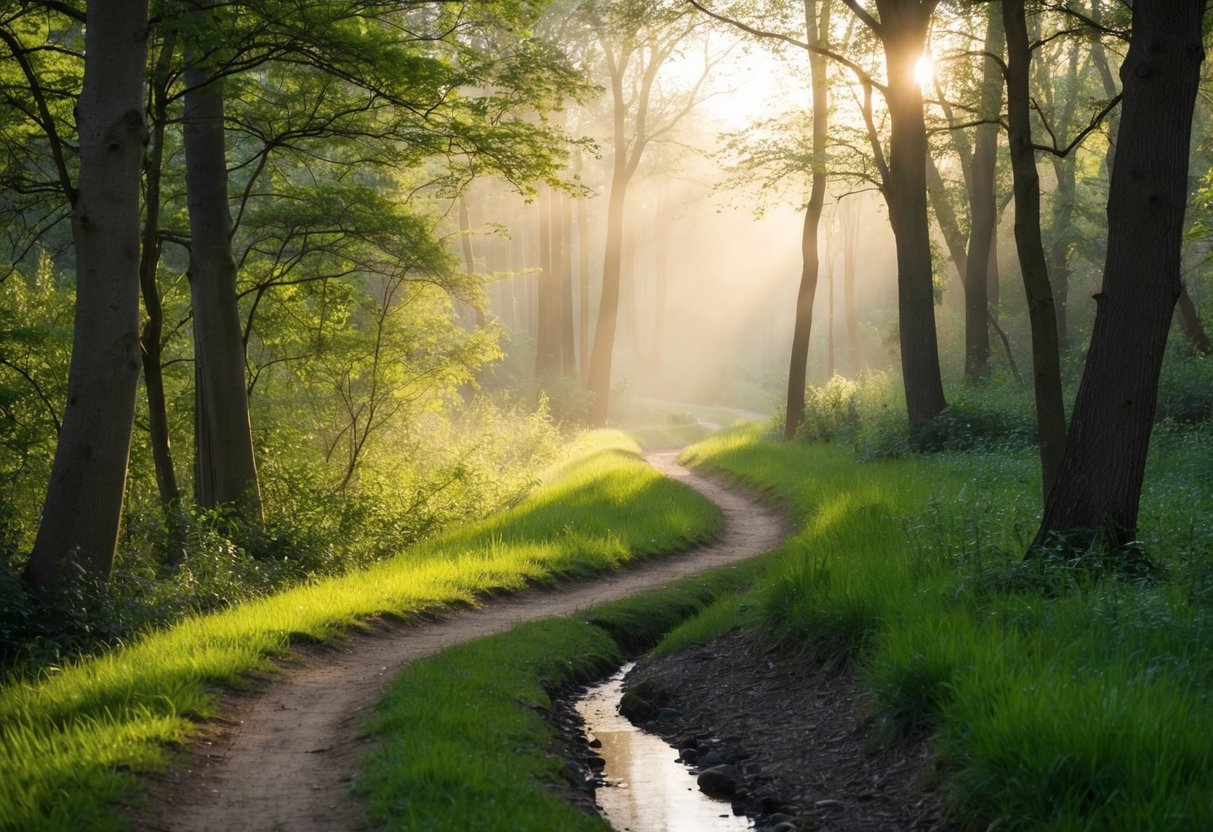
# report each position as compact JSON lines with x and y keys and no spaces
{"x":284,"y":758}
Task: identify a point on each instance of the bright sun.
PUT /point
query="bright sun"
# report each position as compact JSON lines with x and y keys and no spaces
{"x":924,"y":72}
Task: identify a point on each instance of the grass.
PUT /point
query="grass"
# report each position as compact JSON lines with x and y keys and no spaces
{"x":70,"y":738}
{"x":463,"y":738}
{"x":1056,"y":699}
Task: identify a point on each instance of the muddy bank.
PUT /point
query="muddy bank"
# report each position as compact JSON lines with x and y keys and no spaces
{"x":802,"y":757}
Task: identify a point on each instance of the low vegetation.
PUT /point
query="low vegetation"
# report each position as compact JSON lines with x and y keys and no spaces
{"x":1061,"y":692}
{"x":71,"y":734}
{"x":463,"y":739}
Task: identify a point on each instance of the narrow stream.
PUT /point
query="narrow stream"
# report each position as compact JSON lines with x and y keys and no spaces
{"x":647,"y":791}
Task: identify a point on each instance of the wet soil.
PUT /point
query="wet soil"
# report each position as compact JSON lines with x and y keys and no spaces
{"x":795,"y":732}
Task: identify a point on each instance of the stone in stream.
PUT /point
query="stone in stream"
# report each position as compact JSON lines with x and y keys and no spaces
{"x":688,"y":755}
{"x":712,"y":758}
{"x":718,"y":781}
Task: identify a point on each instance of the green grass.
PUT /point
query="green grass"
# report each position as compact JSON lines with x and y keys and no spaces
{"x":70,"y":737}
{"x":463,"y":739}
{"x":1056,"y":700}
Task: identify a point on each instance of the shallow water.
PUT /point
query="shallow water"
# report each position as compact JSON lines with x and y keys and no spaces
{"x":647,"y":791}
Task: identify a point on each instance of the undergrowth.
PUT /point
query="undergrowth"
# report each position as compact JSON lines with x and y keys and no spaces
{"x":71,"y":734}
{"x":1061,"y":694}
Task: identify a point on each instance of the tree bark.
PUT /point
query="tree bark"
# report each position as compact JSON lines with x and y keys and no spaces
{"x":903,"y":29}
{"x":1098,"y":488}
{"x":225,"y":472}
{"x":1046,"y":356}
{"x":983,"y":215}
{"x":83,"y":507}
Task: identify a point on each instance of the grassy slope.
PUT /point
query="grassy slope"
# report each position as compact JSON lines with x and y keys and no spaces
{"x":463,"y":739}
{"x":1057,"y":702}
{"x":68,"y":739}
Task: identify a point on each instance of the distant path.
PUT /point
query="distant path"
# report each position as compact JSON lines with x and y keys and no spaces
{"x":284,"y":758}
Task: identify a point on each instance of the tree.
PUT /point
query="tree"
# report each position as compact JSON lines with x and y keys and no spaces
{"x":83,"y":506}
{"x":225,"y":472}
{"x":1046,"y":349}
{"x":1095,"y":498}
{"x":635,"y":42}
{"x":817,"y":28}
{"x":901,"y":27}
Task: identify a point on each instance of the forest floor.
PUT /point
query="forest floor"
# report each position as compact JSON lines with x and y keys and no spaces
{"x":285,"y":755}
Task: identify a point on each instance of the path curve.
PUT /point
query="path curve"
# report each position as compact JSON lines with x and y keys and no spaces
{"x":284,"y":758}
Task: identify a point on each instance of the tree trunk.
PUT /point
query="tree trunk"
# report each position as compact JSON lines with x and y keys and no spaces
{"x":850,"y":242}
{"x":1046,"y":357}
{"x":661,"y":277}
{"x":83,"y":508}
{"x":982,"y":211}
{"x":583,"y":282}
{"x":807,"y":291}
{"x":1099,"y":485}
{"x":224,"y":469}
{"x":599,"y":381}
{"x":469,"y":255}
{"x":1189,"y":321}
{"x":547,"y":348}
{"x":153,"y":327}
{"x":564,"y":246}
{"x":904,"y":28}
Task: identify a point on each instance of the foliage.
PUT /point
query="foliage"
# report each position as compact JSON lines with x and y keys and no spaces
{"x":1058,"y":698}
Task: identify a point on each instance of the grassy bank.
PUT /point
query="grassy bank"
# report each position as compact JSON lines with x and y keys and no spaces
{"x":463,"y":740}
{"x":1057,"y":699}
{"x":70,"y":737}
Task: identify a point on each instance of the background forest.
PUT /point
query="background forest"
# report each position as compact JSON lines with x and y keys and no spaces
{"x":385,"y":253}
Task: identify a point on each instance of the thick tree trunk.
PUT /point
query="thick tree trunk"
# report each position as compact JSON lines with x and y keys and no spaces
{"x":807,"y":290}
{"x":904,"y":36}
{"x":1098,"y":488}
{"x":1046,"y":356}
{"x":81,"y":516}
{"x":224,"y":469}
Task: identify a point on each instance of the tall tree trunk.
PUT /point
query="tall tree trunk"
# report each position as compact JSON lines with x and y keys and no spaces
{"x":807,"y":290}
{"x":224,"y":469}
{"x":1046,"y":357}
{"x":83,"y":507}
{"x":153,"y":327}
{"x":850,"y":243}
{"x":547,"y":348}
{"x":469,"y":254}
{"x":565,"y":334}
{"x":599,"y":379}
{"x":661,"y":277}
{"x":982,"y":210}
{"x":904,"y":29}
{"x":1098,"y":488}
{"x":583,"y":284}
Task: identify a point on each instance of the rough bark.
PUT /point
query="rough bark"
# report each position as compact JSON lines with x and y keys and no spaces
{"x":1098,"y":487}
{"x":807,"y":289}
{"x":225,"y":472}
{"x":1046,"y":356}
{"x":902,"y":30}
{"x":81,"y":516}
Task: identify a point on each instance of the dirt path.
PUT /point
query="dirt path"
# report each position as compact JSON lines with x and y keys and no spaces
{"x":283,"y":759}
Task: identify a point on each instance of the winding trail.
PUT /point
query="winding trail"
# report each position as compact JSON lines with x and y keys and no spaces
{"x":284,"y":758}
